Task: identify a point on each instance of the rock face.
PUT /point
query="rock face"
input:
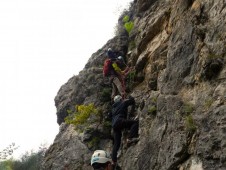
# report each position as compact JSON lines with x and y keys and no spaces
{"x":179,"y":53}
{"x":63,"y":154}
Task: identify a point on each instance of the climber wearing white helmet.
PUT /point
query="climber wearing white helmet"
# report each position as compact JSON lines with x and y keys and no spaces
{"x":120,"y":122}
{"x":101,"y":160}
{"x":111,"y":54}
{"x":113,"y":69}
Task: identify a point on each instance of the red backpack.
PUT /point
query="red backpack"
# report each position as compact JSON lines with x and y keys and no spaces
{"x":107,"y":67}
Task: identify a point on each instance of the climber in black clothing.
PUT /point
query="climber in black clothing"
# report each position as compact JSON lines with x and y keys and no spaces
{"x":120,"y":122}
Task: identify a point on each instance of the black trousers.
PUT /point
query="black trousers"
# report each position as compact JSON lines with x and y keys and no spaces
{"x":117,"y":130}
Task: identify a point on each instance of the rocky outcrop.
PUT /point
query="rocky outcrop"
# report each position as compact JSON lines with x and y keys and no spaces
{"x":62,"y":154}
{"x":178,"y":51}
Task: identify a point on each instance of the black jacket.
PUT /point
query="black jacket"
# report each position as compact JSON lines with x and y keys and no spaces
{"x":120,"y":110}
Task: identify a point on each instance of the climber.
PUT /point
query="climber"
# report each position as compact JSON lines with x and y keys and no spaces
{"x":101,"y":160}
{"x":114,"y":71}
{"x":120,"y":122}
{"x":111,"y":54}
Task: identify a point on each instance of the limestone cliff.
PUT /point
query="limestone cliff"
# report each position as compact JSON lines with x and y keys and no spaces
{"x":178,"y":48}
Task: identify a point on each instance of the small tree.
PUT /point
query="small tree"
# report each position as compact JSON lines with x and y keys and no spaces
{"x":29,"y":161}
{"x":83,"y":116}
{"x":8,"y":151}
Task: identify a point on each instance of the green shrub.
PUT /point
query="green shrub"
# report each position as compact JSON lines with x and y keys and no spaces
{"x":128,"y":25}
{"x":82,"y":115}
{"x":106,"y":95}
{"x":130,"y":79}
{"x":152,"y":110}
{"x":29,"y":161}
{"x":154,"y":99}
{"x":132,"y":45}
{"x":94,"y":142}
{"x":190,"y":124}
{"x":125,"y":19}
{"x":131,"y":76}
{"x":107,"y":127}
{"x":188,"y":108}
{"x":208,"y":103}
{"x":214,"y":56}
{"x":7,"y":164}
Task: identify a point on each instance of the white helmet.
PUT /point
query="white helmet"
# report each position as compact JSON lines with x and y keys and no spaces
{"x":120,"y":58}
{"x":100,"y":156}
{"x":117,"y":98}
{"x":109,"y":49}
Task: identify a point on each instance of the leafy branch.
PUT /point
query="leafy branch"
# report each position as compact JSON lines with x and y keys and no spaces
{"x":128,"y":25}
{"x":84,"y":115}
{"x":8,"y":151}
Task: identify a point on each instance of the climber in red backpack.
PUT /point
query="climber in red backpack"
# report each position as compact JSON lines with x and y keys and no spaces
{"x":117,"y":76}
